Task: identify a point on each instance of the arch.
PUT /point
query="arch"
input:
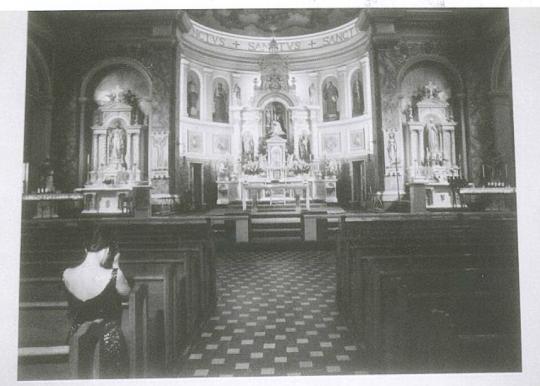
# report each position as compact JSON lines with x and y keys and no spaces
{"x":440,"y":60}
{"x":498,"y":62}
{"x":37,"y":61}
{"x":116,"y":61}
{"x":275,"y":97}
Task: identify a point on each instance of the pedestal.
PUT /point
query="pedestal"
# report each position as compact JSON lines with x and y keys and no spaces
{"x":417,"y":191}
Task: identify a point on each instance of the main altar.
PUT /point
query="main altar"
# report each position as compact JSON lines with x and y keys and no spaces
{"x":281,"y":169}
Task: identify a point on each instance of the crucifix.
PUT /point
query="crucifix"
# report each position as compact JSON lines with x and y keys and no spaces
{"x":431,"y":90}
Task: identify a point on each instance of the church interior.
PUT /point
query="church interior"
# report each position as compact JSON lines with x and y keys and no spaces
{"x":294,"y":191}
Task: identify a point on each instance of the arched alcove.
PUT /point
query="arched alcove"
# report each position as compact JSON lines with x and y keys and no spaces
{"x":221,"y":100}
{"x":330,"y":99}
{"x":357,"y":93}
{"x":193,"y":94}
{"x":38,"y":115}
{"x":113,"y":88}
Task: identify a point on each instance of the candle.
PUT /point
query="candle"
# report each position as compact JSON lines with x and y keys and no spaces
{"x":483,"y":171}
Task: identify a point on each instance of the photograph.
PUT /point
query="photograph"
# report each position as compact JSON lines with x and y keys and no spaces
{"x":268,"y":193}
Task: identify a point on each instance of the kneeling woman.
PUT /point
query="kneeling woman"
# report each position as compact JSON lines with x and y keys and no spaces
{"x":95,"y":290}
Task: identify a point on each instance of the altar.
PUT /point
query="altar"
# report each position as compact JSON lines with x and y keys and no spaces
{"x":253,"y":190}
{"x":116,"y":182}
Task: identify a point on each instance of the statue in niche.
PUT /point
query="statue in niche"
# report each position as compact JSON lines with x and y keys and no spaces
{"x":117,"y":145}
{"x":248,"y":146}
{"x":433,"y":136}
{"x":192,"y":100}
{"x":358,"y":96}
{"x":221,"y":105}
{"x":237,"y":94}
{"x":330,"y":95}
{"x":276,"y":129}
{"x":304,"y":148}
{"x":311,"y":93}
{"x":391,"y":148}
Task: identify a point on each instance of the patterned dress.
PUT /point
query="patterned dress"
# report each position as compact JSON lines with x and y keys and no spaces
{"x":107,"y":306}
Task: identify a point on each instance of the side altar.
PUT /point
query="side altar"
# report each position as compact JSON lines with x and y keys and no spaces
{"x":115,"y":181}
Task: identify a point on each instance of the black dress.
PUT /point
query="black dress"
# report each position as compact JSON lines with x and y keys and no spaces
{"x":107,"y":306}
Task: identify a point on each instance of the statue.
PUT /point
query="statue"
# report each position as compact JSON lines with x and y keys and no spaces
{"x":391,"y":148}
{"x":192,"y":100}
{"x":311,"y":93}
{"x":330,"y":95}
{"x":358,"y":96}
{"x":117,"y":144}
{"x":46,"y":173}
{"x":221,"y":107}
{"x":433,"y":141}
{"x":304,"y":148}
{"x":248,"y":146}
{"x":276,"y":129}
{"x":237,"y":94}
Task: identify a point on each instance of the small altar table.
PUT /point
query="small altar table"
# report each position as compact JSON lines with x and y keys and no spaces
{"x":249,"y":187}
{"x":47,"y":202}
{"x":489,"y":198}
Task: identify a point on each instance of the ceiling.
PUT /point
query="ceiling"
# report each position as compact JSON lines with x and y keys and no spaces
{"x":278,"y":22}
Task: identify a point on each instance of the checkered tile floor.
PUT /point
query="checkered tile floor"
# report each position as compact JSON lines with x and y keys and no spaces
{"x":276,"y":315}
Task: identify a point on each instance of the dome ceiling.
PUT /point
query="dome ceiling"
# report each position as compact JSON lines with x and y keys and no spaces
{"x":278,"y":22}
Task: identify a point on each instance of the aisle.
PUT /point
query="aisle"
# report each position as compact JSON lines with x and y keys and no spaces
{"x":276,"y":315}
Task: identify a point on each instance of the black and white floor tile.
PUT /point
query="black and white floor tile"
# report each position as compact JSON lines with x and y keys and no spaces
{"x":276,"y":315}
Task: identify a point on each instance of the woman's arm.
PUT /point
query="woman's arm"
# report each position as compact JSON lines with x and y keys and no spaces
{"x":122,"y":285}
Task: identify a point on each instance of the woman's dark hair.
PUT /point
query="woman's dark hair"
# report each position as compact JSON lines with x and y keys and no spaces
{"x":100,"y":239}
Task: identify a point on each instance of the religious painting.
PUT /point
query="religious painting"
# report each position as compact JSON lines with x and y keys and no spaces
{"x":357,"y":140}
{"x":331,"y":143}
{"x":357,"y":93}
{"x":221,"y":101}
{"x":330,"y":100}
{"x":195,"y":142}
{"x":221,"y":144}
{"x":193,"y":92}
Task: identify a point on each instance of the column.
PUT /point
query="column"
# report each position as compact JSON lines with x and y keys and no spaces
{"x":464,"y":153}
{"x":82,"y":153}
{"x":207,"y":95}
{"x":95,"y":151}
{"x":136,"y":153}
{"x":344,"y":111}
{"x":184,"y":69}
{"x":366,"y":80}
{"x":128,"y":149}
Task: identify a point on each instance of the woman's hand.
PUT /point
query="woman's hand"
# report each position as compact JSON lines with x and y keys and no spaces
{"x":116,"y":261}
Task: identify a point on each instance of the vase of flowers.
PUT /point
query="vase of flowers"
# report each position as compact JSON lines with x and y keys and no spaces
{"x":252,"y":168}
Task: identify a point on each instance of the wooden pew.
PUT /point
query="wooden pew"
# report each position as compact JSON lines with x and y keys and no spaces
{"x":469,"y":321}
{"x":370,"y":272}
{"x":43,"y":354}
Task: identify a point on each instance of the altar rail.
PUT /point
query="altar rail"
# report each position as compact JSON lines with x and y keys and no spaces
{"x":432,"y":294}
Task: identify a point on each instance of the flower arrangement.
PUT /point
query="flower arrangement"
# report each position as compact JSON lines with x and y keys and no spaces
{"x":300,"y":167}
{"x":328,"y":168}
{"x":252,"y":168}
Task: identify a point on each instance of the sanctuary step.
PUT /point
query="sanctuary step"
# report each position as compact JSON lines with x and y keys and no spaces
{"x":275,"y":226}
